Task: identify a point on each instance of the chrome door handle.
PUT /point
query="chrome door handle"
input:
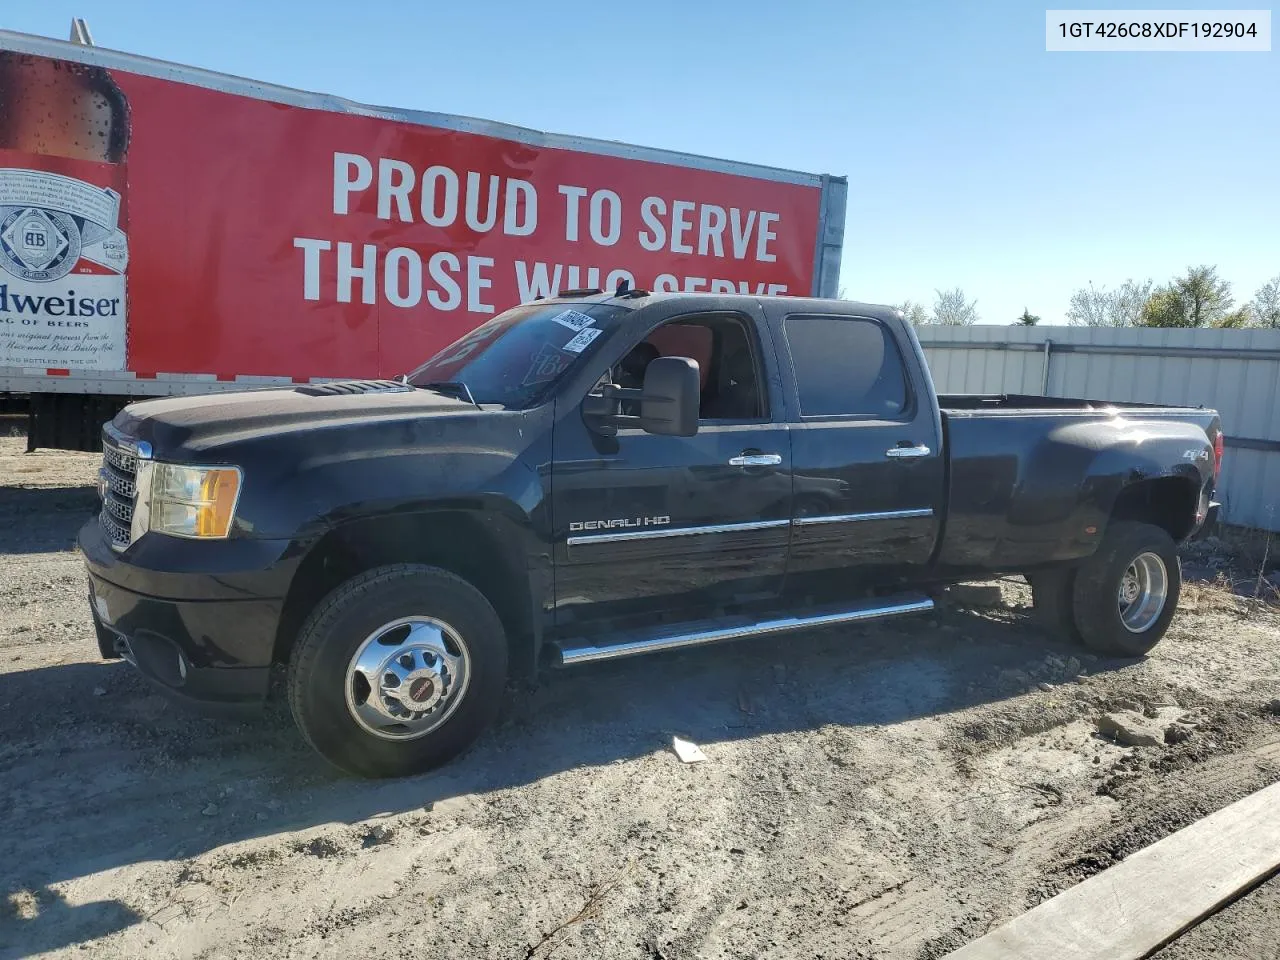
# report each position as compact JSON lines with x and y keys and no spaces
{"x":917,"y":451}
{"x":756,"y":460}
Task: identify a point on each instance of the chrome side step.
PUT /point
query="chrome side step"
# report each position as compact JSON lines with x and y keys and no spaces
{"x":695,"y":634}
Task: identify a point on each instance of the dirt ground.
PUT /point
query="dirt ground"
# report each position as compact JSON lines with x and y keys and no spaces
{"x":887,"y":792}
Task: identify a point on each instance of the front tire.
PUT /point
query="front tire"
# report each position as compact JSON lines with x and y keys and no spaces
{"x":398,"y":671}
{"x":1126,"y":594}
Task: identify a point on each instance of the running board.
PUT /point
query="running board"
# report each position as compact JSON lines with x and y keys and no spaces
{"x":697,"y":634}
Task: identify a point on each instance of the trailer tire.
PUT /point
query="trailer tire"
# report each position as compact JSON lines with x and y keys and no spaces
{"x":1052,"y":602}
{"x":1126,"y":594}
{"x":398,"y":671}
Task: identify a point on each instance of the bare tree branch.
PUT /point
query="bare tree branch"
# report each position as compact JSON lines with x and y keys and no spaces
{"x":952,"y":309}
{"x":1100,"y":307}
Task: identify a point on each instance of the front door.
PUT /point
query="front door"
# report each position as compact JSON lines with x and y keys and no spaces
{"x":647,"y":523}
{"x":868,"y":466}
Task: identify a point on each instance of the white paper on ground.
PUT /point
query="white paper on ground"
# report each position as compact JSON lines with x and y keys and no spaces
{"x":687,"y":752}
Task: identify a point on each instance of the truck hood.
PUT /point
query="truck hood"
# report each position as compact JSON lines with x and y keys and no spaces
{"x":189,"y":425}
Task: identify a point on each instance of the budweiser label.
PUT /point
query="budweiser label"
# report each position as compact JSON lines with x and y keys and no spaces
{"x":63,"y":256}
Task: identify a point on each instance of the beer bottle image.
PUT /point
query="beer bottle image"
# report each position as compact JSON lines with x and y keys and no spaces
{"x":64,"y":139}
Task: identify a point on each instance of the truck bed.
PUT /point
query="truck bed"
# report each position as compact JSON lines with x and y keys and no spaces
{"x":1019,"y":466}
{"x":1013,"y":402}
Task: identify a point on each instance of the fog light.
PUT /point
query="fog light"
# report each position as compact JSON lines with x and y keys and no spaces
{"x":182,"y":667}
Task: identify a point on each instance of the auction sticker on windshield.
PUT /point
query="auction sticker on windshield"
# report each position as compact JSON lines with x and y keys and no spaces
{"x":582,"y":340}
{"x":574,"y":320}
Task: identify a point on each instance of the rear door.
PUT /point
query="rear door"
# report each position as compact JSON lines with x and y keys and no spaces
{"x":866,"y":451}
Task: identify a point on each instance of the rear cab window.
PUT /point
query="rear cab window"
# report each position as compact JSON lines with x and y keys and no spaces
{"x":847,"y":367}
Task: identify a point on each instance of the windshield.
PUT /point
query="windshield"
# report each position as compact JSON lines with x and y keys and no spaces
{"x":516,"y":357}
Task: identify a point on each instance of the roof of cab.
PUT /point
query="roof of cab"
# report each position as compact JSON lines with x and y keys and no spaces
{"x":637,"y":299}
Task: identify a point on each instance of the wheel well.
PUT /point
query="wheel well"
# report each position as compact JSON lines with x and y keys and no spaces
{"x":463,"y":543}
{"x":1167,"y":502}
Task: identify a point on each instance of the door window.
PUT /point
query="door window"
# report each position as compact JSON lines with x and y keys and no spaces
{"x":728,"y":364}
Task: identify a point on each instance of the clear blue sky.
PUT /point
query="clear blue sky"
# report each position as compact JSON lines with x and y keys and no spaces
{"x":974,"y":158}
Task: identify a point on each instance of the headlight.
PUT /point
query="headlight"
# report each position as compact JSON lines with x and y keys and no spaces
{"x":194,"y":502}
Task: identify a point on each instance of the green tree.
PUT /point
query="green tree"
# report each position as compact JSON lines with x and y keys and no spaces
{"x":950,"y":308}
{"x":914,"y":313}
{"x":1206,"y":296}
{"x":1028,"y":319}
{"x":1199,"y":298}
{"x":1165,"y":308}
{"x":1243,"y":317}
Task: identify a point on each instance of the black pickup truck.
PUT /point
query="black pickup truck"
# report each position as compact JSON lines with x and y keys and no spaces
{"x":597,"y":476}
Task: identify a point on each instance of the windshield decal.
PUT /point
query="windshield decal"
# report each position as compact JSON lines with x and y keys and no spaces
{"x":548,"y":363}
{"x":574,"y":320}
{"x":582,"y":340}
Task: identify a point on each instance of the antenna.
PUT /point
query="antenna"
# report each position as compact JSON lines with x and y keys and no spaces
{"x":623,"y":286}
{"x":80,"y":32}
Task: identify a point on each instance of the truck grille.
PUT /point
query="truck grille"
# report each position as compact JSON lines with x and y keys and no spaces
{"x":118,"y":488}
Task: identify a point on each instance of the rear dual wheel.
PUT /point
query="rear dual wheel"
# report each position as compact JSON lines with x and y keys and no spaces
{"x":1119,"y":601}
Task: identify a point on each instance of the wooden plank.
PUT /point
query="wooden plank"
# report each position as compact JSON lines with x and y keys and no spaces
{"x":1143,"y":902}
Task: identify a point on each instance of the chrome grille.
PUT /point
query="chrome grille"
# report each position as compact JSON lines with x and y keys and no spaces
{"x":120,"y":483}
{"x":122,"y":460}
{"x":118,"y":488}
{"x":118,"y":534}
{"x":117,"y":509}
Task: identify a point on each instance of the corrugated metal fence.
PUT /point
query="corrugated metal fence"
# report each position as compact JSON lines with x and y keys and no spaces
{"x":1236,"y":372}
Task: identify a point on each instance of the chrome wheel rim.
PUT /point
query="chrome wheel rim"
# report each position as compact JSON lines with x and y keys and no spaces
{"x":1143,"y":591}
{"x":407,"y":678}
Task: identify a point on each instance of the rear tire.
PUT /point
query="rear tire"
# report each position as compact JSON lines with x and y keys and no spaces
{"x":1051,"y":600}
{"x":437,"y":655}
{"x":1126,"y":594}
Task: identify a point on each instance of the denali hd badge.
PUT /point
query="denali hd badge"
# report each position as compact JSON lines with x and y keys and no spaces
{"x":618,"y":524}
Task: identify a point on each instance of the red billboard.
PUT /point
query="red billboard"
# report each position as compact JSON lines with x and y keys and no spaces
{"x":157,"y":225}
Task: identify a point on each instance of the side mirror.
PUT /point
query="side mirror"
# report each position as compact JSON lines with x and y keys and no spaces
{"x":670,"y":397}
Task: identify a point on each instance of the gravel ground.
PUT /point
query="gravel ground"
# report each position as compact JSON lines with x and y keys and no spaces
{"x":1247,"y":928}
{"x":888,"y":792}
